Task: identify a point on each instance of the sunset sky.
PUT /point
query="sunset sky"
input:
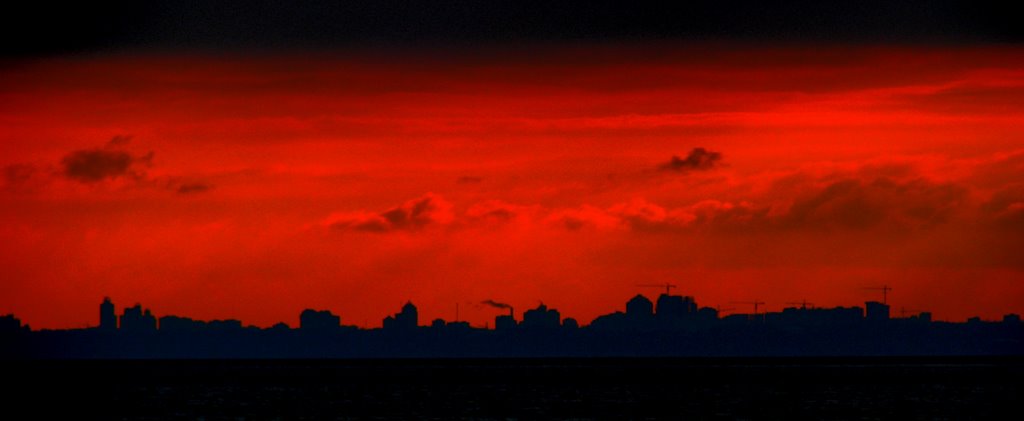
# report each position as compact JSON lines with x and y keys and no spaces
{"x":254,"y":184}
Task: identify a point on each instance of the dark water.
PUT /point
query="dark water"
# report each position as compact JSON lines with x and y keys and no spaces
{"x":847,"y":388}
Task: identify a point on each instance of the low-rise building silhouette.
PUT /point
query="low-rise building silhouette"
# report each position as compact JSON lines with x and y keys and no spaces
{"x":11,"y":324}
{"x":640,"y":308}
{"x":807,"y":317}
{"x":674,"y":307}
{"x":505,"y":322}
{"x":737,"y":319}
{"x":458,"y":326}
{"x":542,"y":317}
{"x":922,"y":317}
{"x":876,"y":311}
{"x":180,"y":324}
{"x":224,"y":325}
{"x":320,"y":321}
{"x":279,"y":327}
{"x":406,"y":319}
{"x":135,"y":319}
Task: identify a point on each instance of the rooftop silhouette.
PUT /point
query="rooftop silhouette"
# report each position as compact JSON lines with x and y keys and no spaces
{"x":673,"y":325}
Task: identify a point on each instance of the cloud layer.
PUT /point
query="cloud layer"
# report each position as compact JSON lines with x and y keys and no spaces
{"x":567,"y":175}
{"x":816,"y":203}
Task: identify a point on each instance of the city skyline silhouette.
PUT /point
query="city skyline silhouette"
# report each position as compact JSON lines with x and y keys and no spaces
{"x":512,"y":209}
{"x":673,"y":325}
{"x":669,"y":302}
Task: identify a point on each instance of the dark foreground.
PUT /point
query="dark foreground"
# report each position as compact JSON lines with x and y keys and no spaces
{"x":776,"y":388}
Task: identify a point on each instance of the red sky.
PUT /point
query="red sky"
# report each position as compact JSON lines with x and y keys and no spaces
{"x":254,"y":186}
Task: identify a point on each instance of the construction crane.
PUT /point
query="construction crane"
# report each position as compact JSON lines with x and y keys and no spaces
{"x":885,"y":292}
{"x":803,"y":304}
{"x":755,"y":303}
{"x":668,"y":287}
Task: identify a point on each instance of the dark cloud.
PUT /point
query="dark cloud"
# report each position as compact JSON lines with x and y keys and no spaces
{"x":699,"y":159}
{"x":862,"y":204}
{"x":108,"y":162}
{"x":114,"y":161}
{"x":414,"y":214}
{"x":96,"y":164}
{"x":848,"y":204}
{"x":193,"y":188}
{"x":410,"y":216}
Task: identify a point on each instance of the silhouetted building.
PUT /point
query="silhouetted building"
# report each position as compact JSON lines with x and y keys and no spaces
{"x":737,"y":319}
{"x":805,"y":317}
{"x":280,"y":327}
{"x":673,"y":312}
{"x":570,"y":323}
{"x":108,"y":320}
{"x":639,"y":308}
{"x":876,"y":311}
{"x":135,"y":319}
{"x":408,"y":318}
{"x":180,"y":324}
{"x":707,"y":314}
{"x":457,"y":326}
{"x":617,"y":321}
{"x":224,"y":325}
{"x":11,"y":324}
{"x":922,"y":317}
{"x":675,"y":307}
{"x":324,"y":320}
{"x":542,"y":317}
{"x":505,"y":322}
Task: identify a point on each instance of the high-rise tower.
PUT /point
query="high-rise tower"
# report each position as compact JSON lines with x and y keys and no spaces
{"x":108,"y":320}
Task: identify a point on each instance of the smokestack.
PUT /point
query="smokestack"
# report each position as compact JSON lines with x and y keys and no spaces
{"x":512,"y":313}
